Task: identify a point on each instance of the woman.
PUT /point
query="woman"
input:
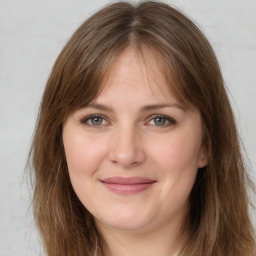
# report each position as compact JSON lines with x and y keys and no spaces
{"x":136,"y":150}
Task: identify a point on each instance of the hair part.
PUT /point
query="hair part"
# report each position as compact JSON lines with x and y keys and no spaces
{"x":218,"y":220}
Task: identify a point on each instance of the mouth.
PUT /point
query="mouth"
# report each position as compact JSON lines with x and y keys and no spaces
{"x":127,"y":185}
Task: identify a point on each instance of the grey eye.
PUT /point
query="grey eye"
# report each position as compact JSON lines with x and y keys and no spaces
{"x":160,"y":121}
{"x":94,"y":120}
{"x":97,"y":120}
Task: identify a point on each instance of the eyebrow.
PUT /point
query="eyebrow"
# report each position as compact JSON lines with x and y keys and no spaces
{"x":159,"y":106}
{"x":142,"y":109}
{"x":99,"y":106}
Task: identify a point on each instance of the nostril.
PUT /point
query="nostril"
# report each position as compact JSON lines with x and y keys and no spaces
{"x":125,"y":148}
{"x":129,"y":158}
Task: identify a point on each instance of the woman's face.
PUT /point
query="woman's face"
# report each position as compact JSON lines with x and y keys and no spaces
{"x":133,"y":153}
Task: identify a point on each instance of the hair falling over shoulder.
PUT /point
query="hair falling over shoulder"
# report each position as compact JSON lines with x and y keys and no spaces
{"x":218,"y":221}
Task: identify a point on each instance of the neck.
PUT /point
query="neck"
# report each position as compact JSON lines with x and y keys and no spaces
{"x":166,"y":241}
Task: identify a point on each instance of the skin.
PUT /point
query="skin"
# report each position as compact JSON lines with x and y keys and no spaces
{"x":127,"y":138}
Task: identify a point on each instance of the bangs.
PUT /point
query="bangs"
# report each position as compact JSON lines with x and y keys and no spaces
{"x":88,"y":85}
{"x":162,"y":67}
{"x":87,"y":79}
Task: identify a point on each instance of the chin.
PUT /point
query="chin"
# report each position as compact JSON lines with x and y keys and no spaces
{"x":125,"y":221}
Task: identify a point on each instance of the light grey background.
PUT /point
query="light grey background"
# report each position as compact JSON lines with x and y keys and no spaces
{"x":32,"y":34}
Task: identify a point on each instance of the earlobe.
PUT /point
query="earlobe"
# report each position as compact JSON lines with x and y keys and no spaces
{"x":203,"y":158}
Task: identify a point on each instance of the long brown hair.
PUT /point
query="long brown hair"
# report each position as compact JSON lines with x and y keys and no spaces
{"x":219,"y":221}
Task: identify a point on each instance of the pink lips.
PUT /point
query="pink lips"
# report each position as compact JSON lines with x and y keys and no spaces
{"x":127,"y":186}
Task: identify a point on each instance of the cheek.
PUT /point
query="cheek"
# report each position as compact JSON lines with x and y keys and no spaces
{"x":84,"y":157}
{"x":176,"y":158}
{"x":83,"y":154}
{"x":177,"y":153}
{"x":76,"y":154}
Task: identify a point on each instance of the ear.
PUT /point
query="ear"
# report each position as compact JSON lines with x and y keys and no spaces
{"x":203,"y":157}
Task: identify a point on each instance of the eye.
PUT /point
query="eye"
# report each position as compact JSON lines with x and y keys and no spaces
{"x":94,"y":120}
{"x":162,"y":120}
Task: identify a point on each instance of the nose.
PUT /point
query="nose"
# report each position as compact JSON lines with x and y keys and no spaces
{"x":127,"y":148}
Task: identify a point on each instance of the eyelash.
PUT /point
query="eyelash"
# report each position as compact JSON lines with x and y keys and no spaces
{"x":90,"y":117}
{"x":168,"y":119}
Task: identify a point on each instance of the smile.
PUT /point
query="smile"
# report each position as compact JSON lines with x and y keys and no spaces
{"x":127,"y":186}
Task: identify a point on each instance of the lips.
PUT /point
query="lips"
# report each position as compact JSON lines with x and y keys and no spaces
{"x":127,"y":186}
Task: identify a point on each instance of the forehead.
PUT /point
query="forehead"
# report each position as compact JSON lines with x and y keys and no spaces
{"x":136,"y":71}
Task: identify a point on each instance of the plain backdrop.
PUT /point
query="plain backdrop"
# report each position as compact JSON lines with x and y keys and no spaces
{"x":32,"y":33}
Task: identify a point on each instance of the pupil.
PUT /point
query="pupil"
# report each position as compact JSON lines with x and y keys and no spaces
{"x":160,"y":121}
{"x":97,"y":120}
